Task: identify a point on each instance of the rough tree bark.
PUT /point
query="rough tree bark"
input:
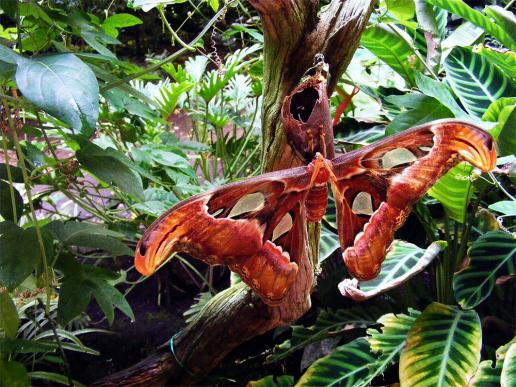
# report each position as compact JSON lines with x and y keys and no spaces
{"x":294,"y":31}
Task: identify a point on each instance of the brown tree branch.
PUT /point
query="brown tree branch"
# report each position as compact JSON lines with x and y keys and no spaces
{"x":293,"y":34}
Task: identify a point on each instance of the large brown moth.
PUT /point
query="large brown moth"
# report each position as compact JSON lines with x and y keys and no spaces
{"x":258,"y":226}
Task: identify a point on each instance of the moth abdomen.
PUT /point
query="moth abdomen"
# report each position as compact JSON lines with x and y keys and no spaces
{"x":316,"y":202}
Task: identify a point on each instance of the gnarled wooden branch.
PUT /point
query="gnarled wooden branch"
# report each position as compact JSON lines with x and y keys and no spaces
{"x":293,"y":33}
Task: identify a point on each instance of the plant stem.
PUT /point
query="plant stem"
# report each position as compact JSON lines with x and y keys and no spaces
{"x":10,"y":178}
{"x":171,"y":30}
{"x":26,"y":180}
{"x":171,"y":57}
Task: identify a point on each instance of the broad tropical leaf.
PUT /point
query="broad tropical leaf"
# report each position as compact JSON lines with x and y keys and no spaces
{"x":475,"y":80}
{"x":348,"y":365}
{"x":458,"y":7}
{"x":403,"y":261}
{"x":328,"y":243}
{"x":395,"y":51}
{"x":495,"y":109}
{"x":389,"y":342}
{"x":327,"y":323}
{"x":63,"y":86}
{"x":508,"y":376}
{"x":506,"y":207}
{"x":442,"y":349}
{"x":489,"y":376}
{"x":440,"y":92}
{"x":454,"y":191}
{"x":490,"y":256}
{"x":272,"y":381}
{"x":506,"y":61}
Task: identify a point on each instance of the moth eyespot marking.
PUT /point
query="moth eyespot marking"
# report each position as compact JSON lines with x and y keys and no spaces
{"x":425,"y":148}
{"x":284,"y":225}
{"x":248,"y":203}
{"x":218,"y":212}
{"x":398,"y":156}
{"x":358,"y":236}
{"x":363,"y":204}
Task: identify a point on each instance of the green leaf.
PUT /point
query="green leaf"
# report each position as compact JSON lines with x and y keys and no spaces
{"x":107,"y":165}
{"x":214,"y":4}
{"x":428,"y":110}
{"x":458,"y":7}
{"x":119,"y":20}
{"x":347,"y":365}
{"x":328,"y":243}
{"x":401,"y":9}
{"x":109,"y":297}
{"x":147,"y":5}
{"x":74,"y":297}
{"x":475,"y":80}
{"x":454,"y":191}
{"x":487,"y":375}
{"x":6,"y":207}
{"x":508,"y":376}
{"x":494,"y":110}
{"x":442,"y":349}
{"x":504,"y":132}
{"x":272,"y":381}
{"x":19,"y":255}
{"x":506,"y":61}
{"x":328,"y":323}
{"x":63,"y":86}
{"x":9,"y":56}
{"x":53,"y":378}
{"x":403,"y":261}
{"x":9,"y":320}
{"x":490,"y":256}
{"x":503,"y":18}
{"x":102,"y":242}
{"x":395,"y":51}
{"x":440,"y":92}
{"x":13,"y":374}
{"x":16,"y":173}
{"x":506,"y":207}
{"x":389,"y":341}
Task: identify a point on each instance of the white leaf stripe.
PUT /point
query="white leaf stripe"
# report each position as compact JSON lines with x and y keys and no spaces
{"x":443,"y":348}
{"x":491,"y":256}
{"x":476,"y":81}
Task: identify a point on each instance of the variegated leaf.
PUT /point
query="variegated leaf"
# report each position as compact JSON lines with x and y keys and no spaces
{"x":490,"y":256}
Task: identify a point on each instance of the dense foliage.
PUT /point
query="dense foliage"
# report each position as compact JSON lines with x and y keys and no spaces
{"x":103,"y":129}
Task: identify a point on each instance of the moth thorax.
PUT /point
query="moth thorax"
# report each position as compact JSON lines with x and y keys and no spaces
{"x":316,"y":202}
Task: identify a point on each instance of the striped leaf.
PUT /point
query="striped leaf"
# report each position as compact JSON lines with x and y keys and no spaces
{"x":440,"y":92}
{"x":272,"y":381}
{"x":490,"y":256}
{"x":359,"y":136}
{"x":328,"y":243}
{"x":504,"y":131}
{"x":489,"y":376}
{"x":442,"y":348}
{"x":328,"y":323}
{"x":495,"y":109}
{"x":397,"y":52}
{"x":403,"y":261}
{"x":475,"y":80}
{"x":389,"y":342}
{"x":454,"y":191}
{"x":508,"y":376}
{"x":348,"y":365}
{"x":506,"y":61}
{"x":458,"y":7}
